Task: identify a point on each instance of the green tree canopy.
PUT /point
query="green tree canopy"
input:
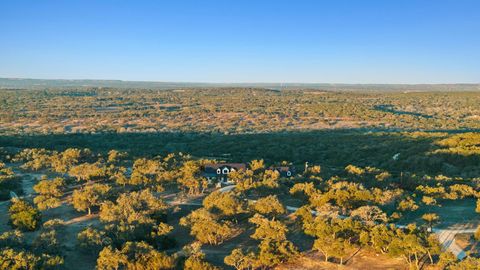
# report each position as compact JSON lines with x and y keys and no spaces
{"x":89,"y":196}
{"x":23,"y":215}
{"x":49,"y":193}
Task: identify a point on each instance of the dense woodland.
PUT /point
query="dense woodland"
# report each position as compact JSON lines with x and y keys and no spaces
{"x":112,"y":178}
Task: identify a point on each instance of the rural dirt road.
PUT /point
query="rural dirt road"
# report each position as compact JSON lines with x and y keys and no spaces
{"x":446,"y":237}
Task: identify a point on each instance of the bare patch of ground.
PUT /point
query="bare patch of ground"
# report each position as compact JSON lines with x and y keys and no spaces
{"x":4,"y":216}
{"x":463,"y":240}
{"x":451,"y":213}
{"x":468,"y":243}
{"x":364,"y":259}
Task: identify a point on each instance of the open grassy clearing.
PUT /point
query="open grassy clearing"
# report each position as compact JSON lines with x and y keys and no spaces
{"x":451,"y":213}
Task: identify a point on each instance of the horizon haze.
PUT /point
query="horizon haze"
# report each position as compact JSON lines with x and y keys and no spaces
{"x":367,"y":42}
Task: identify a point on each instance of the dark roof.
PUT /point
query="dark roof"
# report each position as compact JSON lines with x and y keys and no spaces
{"x":212,"y":168}
{"x":238,"y":166}
{"x":209,"y":174}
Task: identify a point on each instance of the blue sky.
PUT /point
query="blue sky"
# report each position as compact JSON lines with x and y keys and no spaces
{"x":336,"y":41}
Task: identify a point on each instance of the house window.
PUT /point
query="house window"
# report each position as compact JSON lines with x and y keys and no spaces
{"x":219,"y":171}
{"x":225,"y":171}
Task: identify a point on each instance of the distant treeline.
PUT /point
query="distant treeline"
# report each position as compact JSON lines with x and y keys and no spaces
{"x":19,"y":83}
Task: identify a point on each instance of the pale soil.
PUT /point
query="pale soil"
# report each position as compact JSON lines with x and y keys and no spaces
{"x":463,"y":240}
{"x":74,"y":258}
{"x":362,"y":260}
{"x":468,"y":243}
{"x":28,"y":181}
{"x":76,"y":222}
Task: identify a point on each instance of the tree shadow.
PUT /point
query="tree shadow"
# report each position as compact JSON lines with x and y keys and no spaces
{"x":332,"y":149}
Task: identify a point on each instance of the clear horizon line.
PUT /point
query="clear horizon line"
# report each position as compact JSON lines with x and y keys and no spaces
{"x":244,"y":82}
